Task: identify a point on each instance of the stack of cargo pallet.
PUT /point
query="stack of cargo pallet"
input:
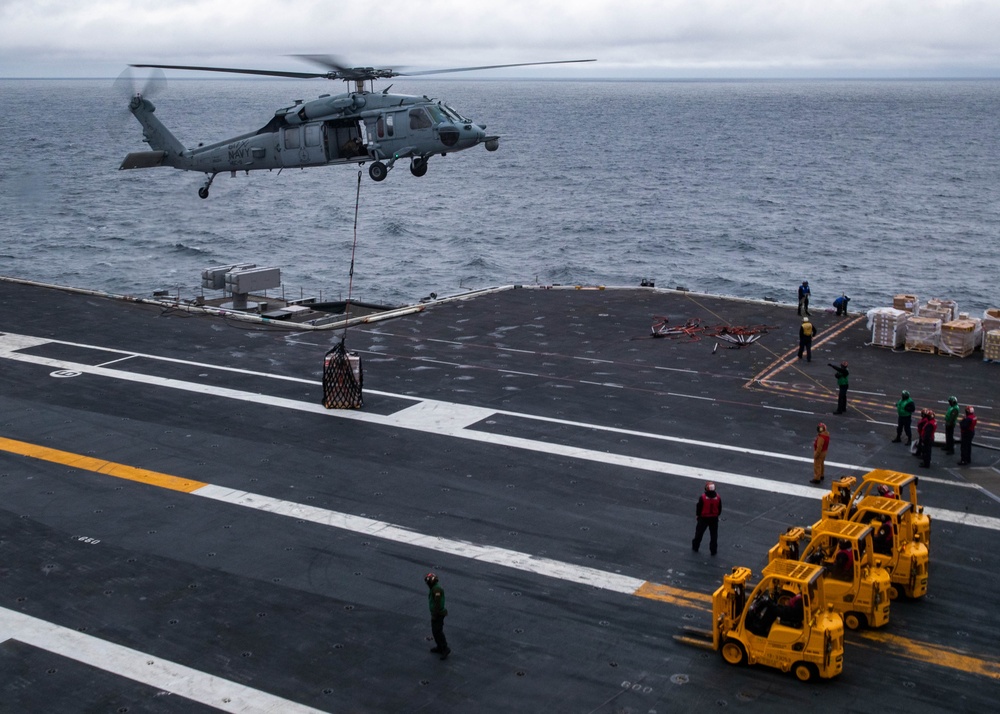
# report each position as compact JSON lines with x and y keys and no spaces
{"x":991,"y":346}
{"x":906,"y":303}
{"x":946,"y":309}
{"x":959,"y":338}
{"x":991,"y":319}
{"x":937,"y":310}
{"x":923,"y":334}
{"x":888,"y":326}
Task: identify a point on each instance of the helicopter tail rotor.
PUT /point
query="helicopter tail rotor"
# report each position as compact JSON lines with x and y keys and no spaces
{"x":128,"y":86}
{"x":125,"y":90}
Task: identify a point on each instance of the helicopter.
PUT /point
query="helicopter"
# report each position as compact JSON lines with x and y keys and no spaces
{"x":357,"y":127}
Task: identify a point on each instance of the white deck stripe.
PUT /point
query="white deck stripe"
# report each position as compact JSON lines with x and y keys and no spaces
{"x":138,"y":666}
{"x":451,"y":419}
{"x":388,"y":531}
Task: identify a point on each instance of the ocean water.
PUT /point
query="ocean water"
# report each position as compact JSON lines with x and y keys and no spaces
{"x":740,"y":188}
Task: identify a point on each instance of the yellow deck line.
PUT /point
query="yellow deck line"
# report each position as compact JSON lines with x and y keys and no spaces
{"x":919,"y":651}
{"x":675,"y":596}
{"x":935,"y":654}
{"x":110,"y":468}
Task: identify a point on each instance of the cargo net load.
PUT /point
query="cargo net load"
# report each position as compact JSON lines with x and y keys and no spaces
{"x":342,"y":379}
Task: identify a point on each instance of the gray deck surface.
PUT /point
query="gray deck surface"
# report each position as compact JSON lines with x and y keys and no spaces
{"x":516,"y":443}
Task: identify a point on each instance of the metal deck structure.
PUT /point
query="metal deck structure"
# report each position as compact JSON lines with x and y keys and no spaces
{"x":184,"y":528}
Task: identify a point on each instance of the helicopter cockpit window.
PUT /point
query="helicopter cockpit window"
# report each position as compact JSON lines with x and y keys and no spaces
{"x":419,"y":119}
{"x":292,"y":138}
{"x":388,"y":124}
{"x":437,"y":114}
{"x":453,"y":114}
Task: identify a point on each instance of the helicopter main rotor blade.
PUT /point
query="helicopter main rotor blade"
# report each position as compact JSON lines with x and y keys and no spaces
{"x":233,"y":70}
{"x":489,"y":66}
{"x":338,"y":71}
{"x":328,"y":61}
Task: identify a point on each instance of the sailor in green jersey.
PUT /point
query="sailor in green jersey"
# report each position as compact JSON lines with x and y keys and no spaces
{"x":904,"y":416}
{"x":950,"y":420}
{"x":436,"y":603}
{"x":841,"y":374}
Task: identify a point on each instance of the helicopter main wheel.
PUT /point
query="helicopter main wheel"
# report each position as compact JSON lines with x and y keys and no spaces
{"x":378,"y":171}
{"x":418,"y":167}
{"x":202,"y":192}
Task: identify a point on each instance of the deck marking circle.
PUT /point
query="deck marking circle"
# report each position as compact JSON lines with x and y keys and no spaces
{"x":64,"y":373}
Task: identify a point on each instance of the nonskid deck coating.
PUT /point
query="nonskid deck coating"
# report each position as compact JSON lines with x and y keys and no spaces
{"x":512,"y":441}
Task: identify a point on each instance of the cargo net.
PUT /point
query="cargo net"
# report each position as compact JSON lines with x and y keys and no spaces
{"x":737,"y":335}
{"x":342,"y":379}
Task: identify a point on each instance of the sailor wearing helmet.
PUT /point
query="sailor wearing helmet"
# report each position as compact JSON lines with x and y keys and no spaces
{"x":435,"y":600}
{"x":707,"y":511}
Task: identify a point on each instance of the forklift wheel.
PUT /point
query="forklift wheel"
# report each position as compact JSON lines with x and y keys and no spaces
{"x":854,"y":621}
{"x":893,"y":592}
{"x":733,"y":652}
{"x":805,"y":671}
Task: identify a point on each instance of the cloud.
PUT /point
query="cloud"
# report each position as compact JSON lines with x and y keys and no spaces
{"x":73,"y":38}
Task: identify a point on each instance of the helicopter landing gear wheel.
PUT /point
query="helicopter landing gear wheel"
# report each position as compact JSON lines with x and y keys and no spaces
{"x":203,"y":191}
{"x":378,"y":171}
{"x":418,"y":167}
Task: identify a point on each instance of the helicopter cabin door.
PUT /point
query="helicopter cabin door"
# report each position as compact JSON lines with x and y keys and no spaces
{"x":303,"y":145}
{"x":345,"y":140}
{"x":382,"y":134}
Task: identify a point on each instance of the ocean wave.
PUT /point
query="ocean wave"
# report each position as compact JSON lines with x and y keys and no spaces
{"x":739,"y":188}
{"x":185,"y":249}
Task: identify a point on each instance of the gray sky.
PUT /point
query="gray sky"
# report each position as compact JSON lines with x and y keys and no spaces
{"x":630,"y":38}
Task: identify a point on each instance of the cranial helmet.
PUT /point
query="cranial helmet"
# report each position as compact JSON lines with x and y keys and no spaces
{"x":906,"y":395}
{"x":710,"y":487}
{"x":430,"y":578}
{"x":952,"y":400}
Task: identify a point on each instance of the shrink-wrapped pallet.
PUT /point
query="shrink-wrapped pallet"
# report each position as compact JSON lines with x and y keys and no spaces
{"x":959,"y":338}
{"x":991,"y":319}
{"x":949,"y":308}
{"x":991,"y":346}
{"x":905,"y":302}
{"x":923,"y":334}
{"x":888,"y":326}
{"x":935,"y":310}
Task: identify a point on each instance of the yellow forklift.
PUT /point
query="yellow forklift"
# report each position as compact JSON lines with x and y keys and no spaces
{"x":856,"y":587}
{"x":893,"y":484}
{"x":880,"y":482}
{"x":837,"y":503}
{"x":785,"y":622}
{"x":897,"y":546}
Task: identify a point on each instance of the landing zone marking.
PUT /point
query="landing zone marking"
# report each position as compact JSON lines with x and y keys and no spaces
{"x":547,"y":567}
{"x":138,"y":666}
{"x":442,"y":425}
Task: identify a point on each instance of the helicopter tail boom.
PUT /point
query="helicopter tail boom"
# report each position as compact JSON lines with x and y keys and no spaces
{"x":156,"y":134}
